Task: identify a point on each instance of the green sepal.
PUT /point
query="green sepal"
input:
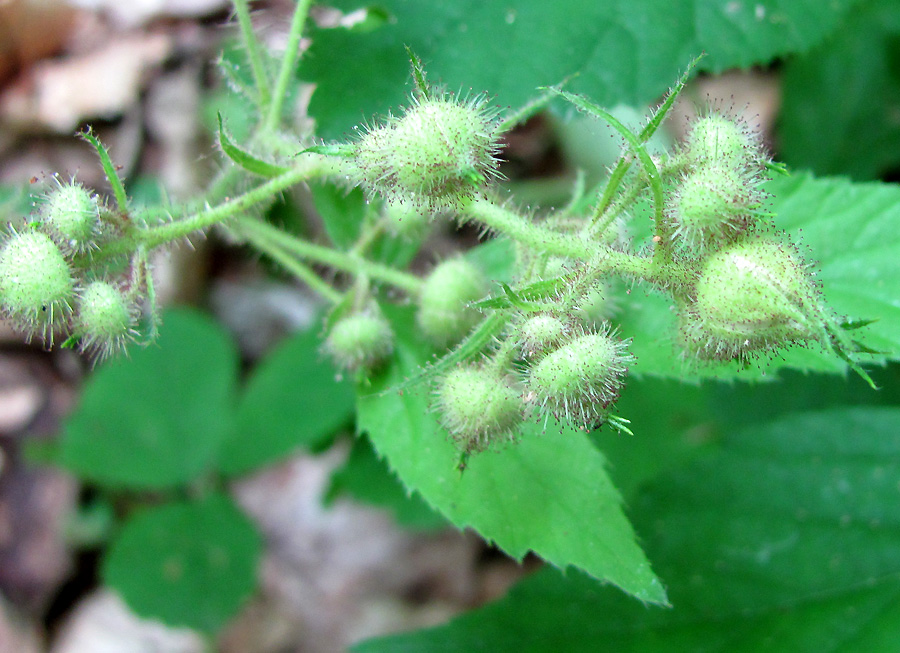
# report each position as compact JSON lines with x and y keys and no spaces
{"x":343,"y":150}
{"x":243,"y":158}
{"x":474,"y":343}
{"x":536,"y":290}
{"x":109,"y":169}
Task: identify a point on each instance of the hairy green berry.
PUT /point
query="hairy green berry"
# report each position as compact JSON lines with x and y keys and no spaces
{"x":444,"y":315}
{"x":540,"y":333}
{"x":360,"y":341}
{"x":438,"y":154}
{"x":36,"y":283}
{"x":478,"y":407}
{"x":713,"y":205}
{"x":723,"y":140}
{"x":71,"y":216}
{"x":105,"y":318}
{"x":577,"y":382}
{"x":750,"y":297}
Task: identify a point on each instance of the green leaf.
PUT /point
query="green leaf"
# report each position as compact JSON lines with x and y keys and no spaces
{"x":186,"y":564}
{"x":291,"y":401}
{"x":156,"y":420}
{"x":342,"y":211}
{"x":549,"y":493}
{"x":847,"y":89}
{"x":621,"y":51}
{"x":785,"y":540}
{"x":367,"y":478}
{"x":849,"y":230}
{"x":243,"y":158}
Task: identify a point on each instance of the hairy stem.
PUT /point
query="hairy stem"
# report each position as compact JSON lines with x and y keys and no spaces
{"x":254,"y":230}
{"x":288,"y":64}
{"x":314,"y":166}
{"x":512,"y":224}
{"x":260,"y":78}
{"x":300,"y":270}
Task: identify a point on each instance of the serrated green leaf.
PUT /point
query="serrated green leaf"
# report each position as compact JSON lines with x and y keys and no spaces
{"x":156,"y":420}
{"x":839,"y":100}
{"x":848,"y":230}
{"x":786,"y":540}
{"x":623,"y":51}
{"x":186,"y":564}
{"x":367,"y":478}
{"x":243,"y":158}
{"x":549,"y":493}
{"x":293,"y":400}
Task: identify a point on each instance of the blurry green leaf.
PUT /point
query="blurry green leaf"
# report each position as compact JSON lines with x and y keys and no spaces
{"x":549,"y":493}
{"x":291,"y":401}
{"x":342,"y":212}
{"x":786,"y":540}
{"x":186,"y":564}
{"x":850,"y":231}
{"x":839,"y":113}
{"x":156,"y":419}
{"x":622,"y":51}
{"x":495,"y":258}
{"x":367,"y":478}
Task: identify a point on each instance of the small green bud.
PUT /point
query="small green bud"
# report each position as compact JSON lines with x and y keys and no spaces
{"x":105,"y":318}
{"x":36,"y":284}
{"x":577,"y":382}
{"x":360,"y":341}
{"x":438,"y":154}
{"x":478,"y":407}
{"x":723,"y":140}
{"x":71,"y":216}
{"x":540,"y":333}
{"x":713,"y":205}
{"x":752,"y":296}
{"x":444,"y":314}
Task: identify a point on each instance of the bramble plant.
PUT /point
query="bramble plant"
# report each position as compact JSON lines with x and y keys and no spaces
{"x":505,"y":357}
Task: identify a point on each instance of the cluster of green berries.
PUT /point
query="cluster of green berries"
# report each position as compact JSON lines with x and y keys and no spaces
{"x":362,"y":340}
{"x":719,"y":196}
{"x":753,"y":293}
{"x":566,"y":371}
{"x":44,"y":288}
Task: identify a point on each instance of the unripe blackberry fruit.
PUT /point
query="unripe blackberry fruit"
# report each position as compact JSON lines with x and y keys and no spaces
{"x":71,"y":216}
{"x":444,"y":315}
{"x":36,"y":284}
{"x":712,"y":205}
{"x":752,"y":296}
{"x":360,"y":341}
{"x":478,"y":407}
{"x":105,"y":318}
{"x":722,"y":140}
{"x":436,"y":155}
{"x":540,"y":333}
{"x":578,"y":382}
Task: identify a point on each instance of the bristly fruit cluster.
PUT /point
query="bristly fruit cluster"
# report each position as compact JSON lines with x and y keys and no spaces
{"x":753,"y":293}
{"x":543,"y":345}
{"x":45,"y":286}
